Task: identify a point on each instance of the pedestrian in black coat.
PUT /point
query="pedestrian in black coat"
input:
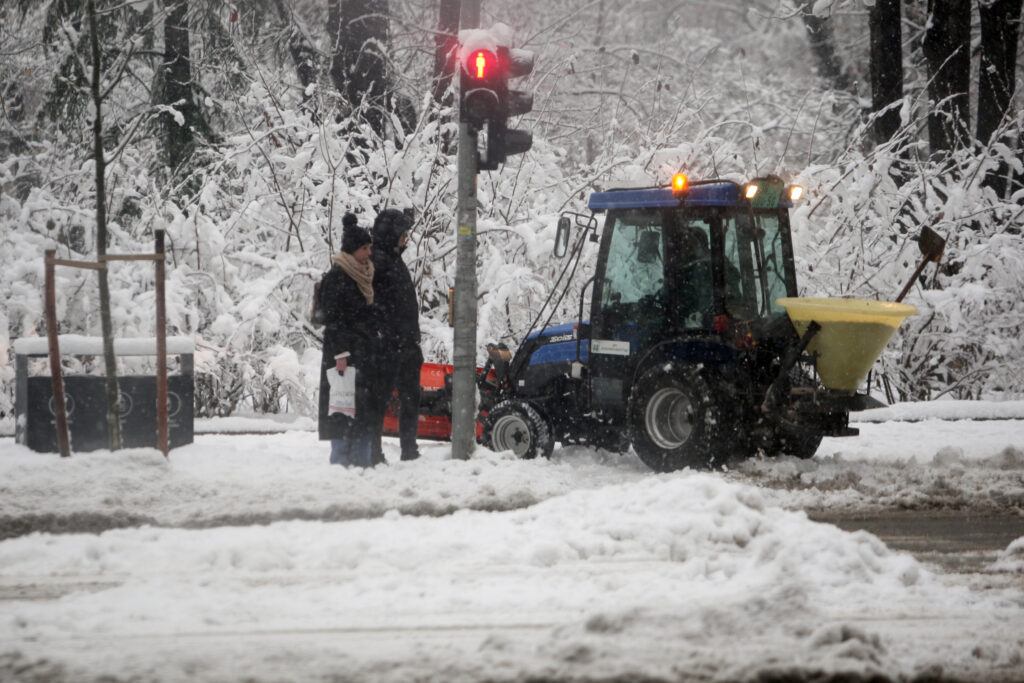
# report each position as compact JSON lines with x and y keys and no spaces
{"x":402,"y":357}
{"x":351,"y":339}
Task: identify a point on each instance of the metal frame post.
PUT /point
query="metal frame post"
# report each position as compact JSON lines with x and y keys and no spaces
{"x":465,"y":308}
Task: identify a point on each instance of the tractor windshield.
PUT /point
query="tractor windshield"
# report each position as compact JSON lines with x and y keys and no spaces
{"x":755,"y":261}
{"x":678,"y":268}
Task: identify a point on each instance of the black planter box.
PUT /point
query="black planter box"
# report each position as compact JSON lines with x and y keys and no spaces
{"x":86,"y":403}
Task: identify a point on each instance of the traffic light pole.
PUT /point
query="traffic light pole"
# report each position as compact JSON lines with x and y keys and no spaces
{"x":464,"y":298}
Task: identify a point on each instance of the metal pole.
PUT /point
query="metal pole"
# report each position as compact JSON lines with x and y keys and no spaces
{"x":464,"y":351}
{"x":161,"y":349}
{"x":57,"y":379}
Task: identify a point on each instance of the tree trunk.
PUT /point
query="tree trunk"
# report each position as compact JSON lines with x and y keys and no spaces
{"x":886,"y":66}
{"x":178,"y":87}
{"x":823,"y":46}
{"x":445,"y":43}
{"x":359,"y":35}
{"x":302,"y":53}
{"x":947,"y":44}
{"x":592,"y":144}
{"x":109,"y":360}
{"x":1000,"y":28}
{"x":337,"y":69}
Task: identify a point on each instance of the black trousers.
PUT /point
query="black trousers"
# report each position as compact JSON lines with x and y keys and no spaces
{"x":400,"y":369}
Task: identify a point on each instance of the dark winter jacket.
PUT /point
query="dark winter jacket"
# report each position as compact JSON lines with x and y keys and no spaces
{"x":352,"y":325}
{"x":393,"y":289}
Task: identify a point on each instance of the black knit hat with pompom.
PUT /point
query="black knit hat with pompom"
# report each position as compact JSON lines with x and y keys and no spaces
{"x":352,"y":236}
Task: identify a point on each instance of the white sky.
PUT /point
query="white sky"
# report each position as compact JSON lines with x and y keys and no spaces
{"x":584,"y":565}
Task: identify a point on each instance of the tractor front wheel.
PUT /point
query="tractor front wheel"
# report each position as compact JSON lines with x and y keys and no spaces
{"x":803,"y":445}
{"x":518,"y":427}
{"x":803,"y":441}
{"x":676,"y":421}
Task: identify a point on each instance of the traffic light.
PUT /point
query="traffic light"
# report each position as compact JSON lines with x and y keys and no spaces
{"x":502,"y":141}
{"x":486,"y":100}
{"x":480,"y":86}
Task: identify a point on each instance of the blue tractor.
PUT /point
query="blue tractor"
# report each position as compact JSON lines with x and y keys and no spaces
{"x":687,"y":354}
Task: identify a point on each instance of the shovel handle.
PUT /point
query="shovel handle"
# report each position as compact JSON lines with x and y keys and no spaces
{"x":913,"y":279}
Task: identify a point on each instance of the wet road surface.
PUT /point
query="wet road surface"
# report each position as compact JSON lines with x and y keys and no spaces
{"x":955,"y":541}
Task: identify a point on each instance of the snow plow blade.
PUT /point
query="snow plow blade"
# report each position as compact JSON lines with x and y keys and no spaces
{"x":435,"y":421}
{"x":853,"y":334}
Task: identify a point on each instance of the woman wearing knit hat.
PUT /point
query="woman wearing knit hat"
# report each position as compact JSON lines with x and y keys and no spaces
{"x":351,"y":339}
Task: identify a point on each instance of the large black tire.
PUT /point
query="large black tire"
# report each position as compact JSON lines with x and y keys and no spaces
{"x":804,"y":442}
{"x":676,"y":421}
{"x":518,"y":427}
{"x":803,"y":445}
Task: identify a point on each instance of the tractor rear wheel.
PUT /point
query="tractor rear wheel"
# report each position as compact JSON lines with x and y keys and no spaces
{"x":518,"y":427}
{"x":676,"y":421}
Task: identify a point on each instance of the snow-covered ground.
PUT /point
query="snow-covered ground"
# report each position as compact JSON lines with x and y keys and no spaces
{"x":246,"y":556}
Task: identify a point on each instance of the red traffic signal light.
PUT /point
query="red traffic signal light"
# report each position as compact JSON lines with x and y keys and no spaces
{"x":480,"y":84}
{"x":486,"y":64}
{"x":481,"y":64}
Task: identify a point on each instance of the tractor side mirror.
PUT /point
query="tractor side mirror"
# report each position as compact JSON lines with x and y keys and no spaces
{"x":562,"y":236}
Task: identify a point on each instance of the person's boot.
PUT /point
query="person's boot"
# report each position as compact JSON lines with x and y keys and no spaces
{"x":410,"y":455}
{"x":377,"y":458}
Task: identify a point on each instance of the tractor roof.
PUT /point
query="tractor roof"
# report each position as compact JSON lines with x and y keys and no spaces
{"x":702,"y":193}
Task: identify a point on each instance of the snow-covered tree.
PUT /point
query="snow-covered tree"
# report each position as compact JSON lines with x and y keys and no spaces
{"x":625,"y":92}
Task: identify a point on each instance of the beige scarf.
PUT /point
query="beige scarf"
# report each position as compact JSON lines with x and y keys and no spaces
{"x":363,"y":275}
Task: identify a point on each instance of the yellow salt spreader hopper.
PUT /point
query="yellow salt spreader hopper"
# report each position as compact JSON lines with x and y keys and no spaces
{"x":853,"y":334}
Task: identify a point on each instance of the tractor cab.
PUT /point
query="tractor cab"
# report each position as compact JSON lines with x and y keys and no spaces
{"x":687,"y":265}
{"x":696,"y":259}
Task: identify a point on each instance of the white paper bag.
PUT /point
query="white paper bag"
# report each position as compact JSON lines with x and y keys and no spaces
{"x":343,"y":392}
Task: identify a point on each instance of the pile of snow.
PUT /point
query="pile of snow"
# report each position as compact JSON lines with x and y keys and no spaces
{"x":931,"y":464}
{"x":710,"y":528}
{"x":643,"y":579}
{"x":1011,"y":559}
